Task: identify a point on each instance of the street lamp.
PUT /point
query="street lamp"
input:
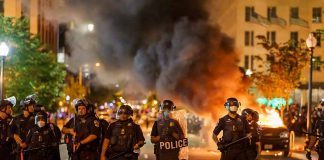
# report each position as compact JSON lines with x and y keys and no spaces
{"x":310,"y":43}
{"x":4,"y":50}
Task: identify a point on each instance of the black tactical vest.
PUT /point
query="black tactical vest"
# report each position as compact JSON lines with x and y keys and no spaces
{"x":123,"y":137}
{"x":233,"y":129}
{"x":42,"y":137}
{"x":4,"y":131}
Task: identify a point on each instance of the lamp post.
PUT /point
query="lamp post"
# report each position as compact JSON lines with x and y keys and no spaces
{"x":4,"y":49}
{"x":311,"y":43}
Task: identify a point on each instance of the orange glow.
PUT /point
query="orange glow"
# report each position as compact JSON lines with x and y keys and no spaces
{"x":270,"y":118}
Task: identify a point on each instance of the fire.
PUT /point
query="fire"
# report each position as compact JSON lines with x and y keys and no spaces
{"x":270,"y":117}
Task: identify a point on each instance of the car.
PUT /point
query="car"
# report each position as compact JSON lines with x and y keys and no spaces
{"x":276,"y":139}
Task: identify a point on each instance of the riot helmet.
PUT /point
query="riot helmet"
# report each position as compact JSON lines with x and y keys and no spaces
{"x":322,"y":102}
{"x":126,"y":109}
{"x":81,"y":106}
{"x":167,"y":105}
{"x":41,"y":119}
{"x":124,"y":112}
{"x":247,"y":111}
{"x":11,"y":101}
{"x":80,"y":102}
{"x":30,"y":101}
{"x":254,"y":114}
{"x":232,"y":104}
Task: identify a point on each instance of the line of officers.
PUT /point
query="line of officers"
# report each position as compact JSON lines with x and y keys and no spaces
{"x":30,"y":136}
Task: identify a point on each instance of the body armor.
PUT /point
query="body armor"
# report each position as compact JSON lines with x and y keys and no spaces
{"x":122,"y":136}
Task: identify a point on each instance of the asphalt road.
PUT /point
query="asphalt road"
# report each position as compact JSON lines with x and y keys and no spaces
{"x":205,"y":152}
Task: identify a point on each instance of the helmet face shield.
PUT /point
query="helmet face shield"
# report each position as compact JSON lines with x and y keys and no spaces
{"x":30,"y":100}
{"x":125,"y":109}
{"x":167,"y":105}
{"x":11,"y":100}
{"x":124,"y":112}
{"x":232,"y":102}
{"x":41,"y":116}
{"x":80,"y":102}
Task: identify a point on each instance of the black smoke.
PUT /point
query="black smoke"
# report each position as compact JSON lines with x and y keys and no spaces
{"x":168,"y":46}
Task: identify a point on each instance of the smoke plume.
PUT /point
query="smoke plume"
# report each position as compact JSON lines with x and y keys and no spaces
{"x":166,"y":46}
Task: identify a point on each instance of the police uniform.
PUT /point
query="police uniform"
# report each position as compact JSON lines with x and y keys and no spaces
{"x":43,"y":142}
{"x":6,"y":140}
{"x":233,"y":129}
{"x":123,"y":135}
{"x":85,"y":126}
{"x":318,"y":129}
{"x":164,"y":128}
{"x":103,"y":129}
{"x":20,"y":126}
{"x":252,"y":150}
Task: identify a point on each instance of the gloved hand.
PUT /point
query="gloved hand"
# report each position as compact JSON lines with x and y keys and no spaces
{"x":220,"y":146}
{"x":308,"y":154}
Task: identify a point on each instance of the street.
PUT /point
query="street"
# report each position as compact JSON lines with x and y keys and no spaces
{"x":211,"y":152}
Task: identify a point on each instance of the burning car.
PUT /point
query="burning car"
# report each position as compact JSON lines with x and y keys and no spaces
{"x":275,"y":136}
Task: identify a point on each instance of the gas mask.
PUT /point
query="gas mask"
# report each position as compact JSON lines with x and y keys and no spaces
{"x":41,"y":124}
{"x":166,"y":113}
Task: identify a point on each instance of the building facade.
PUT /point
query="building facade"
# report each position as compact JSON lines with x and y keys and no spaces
{"x":280,"y":21}
{"x":36,"y":11}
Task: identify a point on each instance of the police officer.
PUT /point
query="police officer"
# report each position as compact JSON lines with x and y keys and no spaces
{"x":253,"y":149}
{"x":22,"y":124}
{"x":6,"y":140}
{"x":319,"y":131}
{"x":85,"y":130}
{"x":166,"y":129}
{"x":234,"y":127}
{"x":123,"y":137}
{"x":103,"y":125}
{"x":43,"y":139}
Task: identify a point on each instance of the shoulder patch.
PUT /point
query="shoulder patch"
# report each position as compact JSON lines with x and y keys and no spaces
{"x":96,"y":123}
{"x":129,"y":124}
{"x":171,"y":124}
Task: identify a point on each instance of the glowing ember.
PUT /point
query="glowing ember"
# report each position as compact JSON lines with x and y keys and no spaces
{"x":270,"y":118}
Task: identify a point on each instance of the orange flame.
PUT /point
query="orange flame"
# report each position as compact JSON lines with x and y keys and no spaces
{"x":270,"y":118}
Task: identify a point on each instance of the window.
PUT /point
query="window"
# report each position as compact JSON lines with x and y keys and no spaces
{"x":317,"y":15}
{"x":249,"y":38}
{"x":317,"y":63}
{"x":294,"y":12}
{"x":272,"y":12}
{"x":246,"y":61}
{"x":252,"y":64}
{"x":1,"y":6}
{"x":294,"y":37}
{"x":271,"y":37}
{"x":249,"y":62}
{"x":248,"y":13}
{"x":318,"y":38}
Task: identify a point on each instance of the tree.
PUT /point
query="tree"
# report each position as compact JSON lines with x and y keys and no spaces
{"x":285,"y":63}
{"x":30,"y":67}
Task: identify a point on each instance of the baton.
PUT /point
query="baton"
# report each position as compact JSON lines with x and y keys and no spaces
{"x":234,"y":142}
